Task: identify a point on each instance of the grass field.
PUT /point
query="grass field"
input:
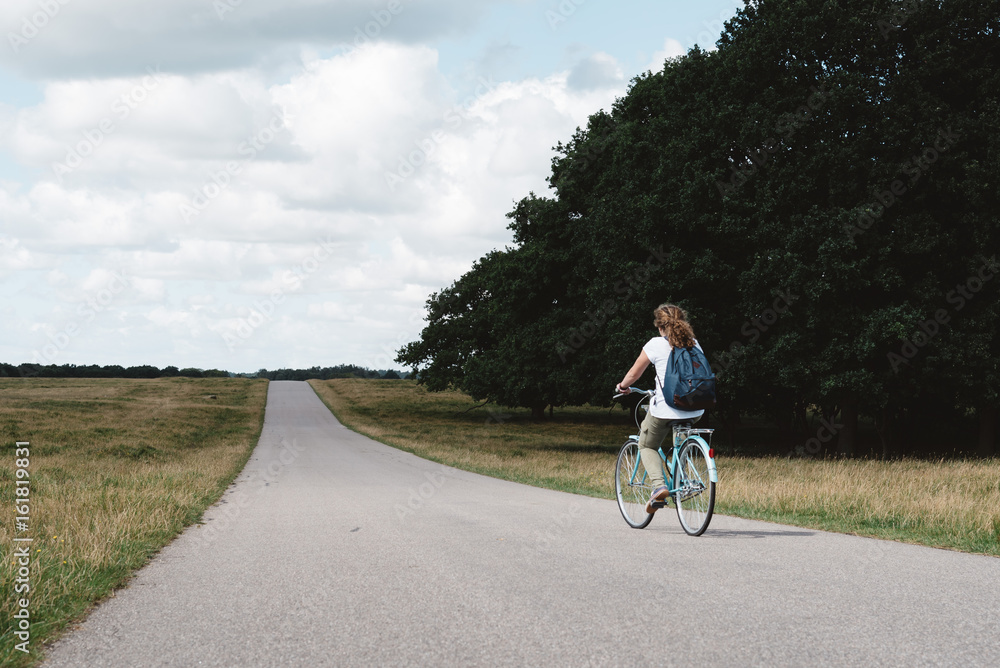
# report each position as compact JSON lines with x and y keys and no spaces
{"x":951,"y":503}
{"x":117,"y":468}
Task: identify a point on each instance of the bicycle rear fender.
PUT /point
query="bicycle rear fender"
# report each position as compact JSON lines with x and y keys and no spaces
{"x":713,"y":475}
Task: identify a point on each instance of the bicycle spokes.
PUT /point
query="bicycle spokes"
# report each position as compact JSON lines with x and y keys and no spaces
{"x":695,"y":493}
{"x":691,"y":482}
{"x":632,"y":486}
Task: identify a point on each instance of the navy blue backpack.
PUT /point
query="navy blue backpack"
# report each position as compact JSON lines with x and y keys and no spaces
{"x":688,"y":383}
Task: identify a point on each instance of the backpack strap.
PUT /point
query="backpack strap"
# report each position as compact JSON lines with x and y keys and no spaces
{"x":656,"y":376}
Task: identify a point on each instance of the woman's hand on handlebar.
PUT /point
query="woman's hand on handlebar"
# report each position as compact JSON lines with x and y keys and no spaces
{"x":622,"y":390}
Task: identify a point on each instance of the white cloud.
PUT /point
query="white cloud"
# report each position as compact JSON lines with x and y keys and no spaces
{"x":15,"y":257}
{"x":599,"y":70}
{"x":334,"y":311}
{"x":80,"y":38}
{"x":671,"y":49}
{"x":309,"y":230}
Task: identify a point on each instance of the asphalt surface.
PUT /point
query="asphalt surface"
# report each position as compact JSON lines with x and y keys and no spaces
{"x":334,"y":550}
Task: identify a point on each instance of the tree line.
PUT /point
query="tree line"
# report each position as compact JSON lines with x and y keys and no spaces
{"x":108,"y":371}
{"x":147,"y":371}
{"x":326,"y":373}
{"x":819,"y":193}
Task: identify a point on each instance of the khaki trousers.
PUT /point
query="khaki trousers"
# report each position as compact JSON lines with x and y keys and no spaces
{"x":653,"y":432}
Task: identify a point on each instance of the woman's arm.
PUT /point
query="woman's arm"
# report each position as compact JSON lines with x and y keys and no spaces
{"x":634,"y":373}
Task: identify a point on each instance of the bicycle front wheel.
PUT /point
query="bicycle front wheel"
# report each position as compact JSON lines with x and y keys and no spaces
{"x":694,"y":492}
{"x":632,"y":486}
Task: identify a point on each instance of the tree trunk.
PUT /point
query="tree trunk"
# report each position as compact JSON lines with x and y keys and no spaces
{"x":729,"y":420}
{"x":987,"y":431}
{"x":888,"y":434}
{"x":800,"y":420}
{"x":885,"y":432}
{"x":903,"y":433}
{"x":785,"y":421}
{"x":847,"y":439}
{"x":538,"y":412}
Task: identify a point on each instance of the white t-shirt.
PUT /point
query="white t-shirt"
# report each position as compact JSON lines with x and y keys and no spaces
{"x":658,"y":350}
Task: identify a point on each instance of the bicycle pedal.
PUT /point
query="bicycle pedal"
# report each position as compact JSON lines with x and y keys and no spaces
{"x":659,"y":504}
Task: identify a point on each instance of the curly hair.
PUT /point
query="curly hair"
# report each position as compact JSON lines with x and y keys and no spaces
{"x":673,"y":319}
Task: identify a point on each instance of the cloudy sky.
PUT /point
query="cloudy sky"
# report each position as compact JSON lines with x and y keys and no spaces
{"x":241,"y":184}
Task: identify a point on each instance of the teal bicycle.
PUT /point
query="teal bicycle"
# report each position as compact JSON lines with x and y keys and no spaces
{"x":689,"y":472}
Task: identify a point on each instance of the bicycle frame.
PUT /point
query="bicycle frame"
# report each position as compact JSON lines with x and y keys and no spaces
{"x":682,"y":433}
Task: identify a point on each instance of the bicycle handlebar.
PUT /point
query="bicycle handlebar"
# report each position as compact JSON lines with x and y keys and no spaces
{"x":636,"y":390}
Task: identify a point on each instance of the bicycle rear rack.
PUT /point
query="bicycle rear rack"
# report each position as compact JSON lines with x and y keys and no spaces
{"x":684,"y":433}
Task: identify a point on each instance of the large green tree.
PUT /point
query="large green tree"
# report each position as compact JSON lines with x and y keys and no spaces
{"x":810,"y":191}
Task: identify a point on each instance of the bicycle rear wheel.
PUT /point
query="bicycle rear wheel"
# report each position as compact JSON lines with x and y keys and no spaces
{"x":694,"y":493}
{"x":632,"y":486}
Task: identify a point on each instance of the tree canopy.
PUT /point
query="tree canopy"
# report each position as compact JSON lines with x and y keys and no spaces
{"x":819,"y":193}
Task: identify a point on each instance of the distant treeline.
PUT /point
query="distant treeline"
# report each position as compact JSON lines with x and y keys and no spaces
{"x":326,"y":373}
{"x":147,"y":371}
{"x":110,"y":371}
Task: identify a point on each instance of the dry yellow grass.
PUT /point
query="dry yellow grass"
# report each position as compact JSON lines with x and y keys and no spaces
{"x":118,"y":467}
{"x":953,"y":504}
{"x":949,"y":503}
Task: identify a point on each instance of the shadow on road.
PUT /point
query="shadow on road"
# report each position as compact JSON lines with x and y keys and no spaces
{"x":754,"y":534}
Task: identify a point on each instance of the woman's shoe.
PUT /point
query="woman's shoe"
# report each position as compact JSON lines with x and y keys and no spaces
{"x":658,"y":494}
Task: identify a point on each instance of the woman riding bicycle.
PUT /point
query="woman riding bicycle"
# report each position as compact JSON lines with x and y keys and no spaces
{"x":675,"y":331}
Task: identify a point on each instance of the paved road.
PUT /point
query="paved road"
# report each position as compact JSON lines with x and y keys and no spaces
{"x":332,"y":549}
